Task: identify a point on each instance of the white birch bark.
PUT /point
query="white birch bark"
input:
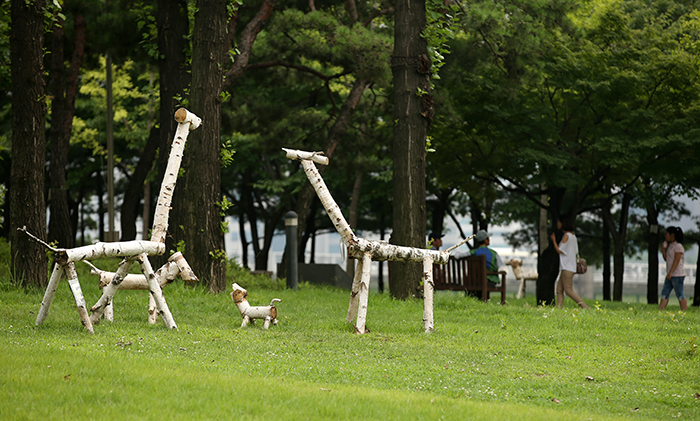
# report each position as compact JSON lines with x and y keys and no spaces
{"x":96,"y":251}
{"x":50,"y":293}
{"x":186,"y":272}
{"x":108,"y":292}
{"x":364,"y":294}
{"x":152,"y":310}
{"x":428,"y":288}
{"x":176,"y":266}
{"x":250,"y":313}
{"x":332,"y":208}
{"x":357,"y":247}
{"x":74,"y":284}
{"x":182,"y":116}
{"x":316,"y":157}
{"x":357,"y":280}
{"x":136,"y":281}
{"x":156,"y":292}
{"x":109,"y":311}
{"x":366,"y":251}
{"x":187,"y":121}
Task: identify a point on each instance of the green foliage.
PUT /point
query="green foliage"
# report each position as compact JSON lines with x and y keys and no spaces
{"x":146,"y":20}
{"x":235,"y":273}
{"x":439,"y":31}
{"x":318,"y":39}
{"x":52,"y":13}
{"x":132,"y":94}
{"x":218,"y":254}
{"x":5,"y":29}
{"x":582,"y":98}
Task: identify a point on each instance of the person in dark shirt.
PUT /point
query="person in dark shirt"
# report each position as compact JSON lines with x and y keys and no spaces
{"x":435,"y":241}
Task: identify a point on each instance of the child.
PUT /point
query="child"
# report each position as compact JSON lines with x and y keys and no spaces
{"x":674,"y":255}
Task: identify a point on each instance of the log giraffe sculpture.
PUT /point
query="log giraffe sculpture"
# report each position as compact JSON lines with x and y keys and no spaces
{"x":130,"y":251}
{"x":365,"y":251}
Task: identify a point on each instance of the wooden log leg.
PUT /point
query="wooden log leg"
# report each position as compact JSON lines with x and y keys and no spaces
{"x":156,"y":291}
{"x":108,"y":291}
{"x":49,"y":294}
{"x":364,"y":294}
{"x":152,"y":310}
{"x":428,"y":288}
{"x":72,"y":276}
{"x":109,"y":311}
{"x":352,"y":308}
{"x":521,"y":290}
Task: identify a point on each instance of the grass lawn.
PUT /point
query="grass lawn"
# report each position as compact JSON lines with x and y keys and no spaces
{"x":484,"y":361}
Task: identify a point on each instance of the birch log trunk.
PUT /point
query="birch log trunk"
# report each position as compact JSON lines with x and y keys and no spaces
{"x":74,"y":284}
{"x":366,"y":251}
{"x":152,"y":310}
{"x":357,"y":280}
{"x":187,"y":121}
{"x":428,"y":288}
{"x":96,"y":251}
{"x":50,"y":293}
{"x":176,"y":266}
{"x":109,"y":311}
{"x":357,"y":247}
{"x":108,"y":292}
{"x":156,"y":292}
{"x":364,"y":294}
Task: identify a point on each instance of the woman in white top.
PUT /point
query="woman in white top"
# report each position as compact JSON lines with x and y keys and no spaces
{"x":568,"y":250}
{"x":674,"y":255}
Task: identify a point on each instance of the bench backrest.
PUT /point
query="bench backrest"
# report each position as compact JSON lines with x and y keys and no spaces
{"x":451,"y":275}
{"x":476,"y":268}
{"x":460,"y":273}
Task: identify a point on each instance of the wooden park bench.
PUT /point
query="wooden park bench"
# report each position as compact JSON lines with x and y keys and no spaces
{"x":468,"y":274}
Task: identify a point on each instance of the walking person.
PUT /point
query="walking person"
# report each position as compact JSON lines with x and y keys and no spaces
{"x":674,"y":255}
{"x":567,"y":250}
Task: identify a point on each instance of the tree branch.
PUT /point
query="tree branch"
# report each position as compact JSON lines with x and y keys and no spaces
{"x":251,"y":31}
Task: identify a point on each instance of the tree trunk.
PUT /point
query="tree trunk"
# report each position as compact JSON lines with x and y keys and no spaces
{"x":543,"y":237}
{"x":607,"y":252}
{"x":548,"y":259}
{"x":412,"y":115}
{"x":28,"y":258}
{"x":173,"y":27}
{"x":63,"y":89}
{"x":203,"y":232}
{"x":696,"y":290}
{"x":547,"y":273}
{"x":242,"y":236}
{"x":619,"y":236}
{"x":653,"y":256}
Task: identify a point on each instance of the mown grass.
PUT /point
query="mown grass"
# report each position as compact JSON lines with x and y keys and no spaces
{"x":484,"y":361}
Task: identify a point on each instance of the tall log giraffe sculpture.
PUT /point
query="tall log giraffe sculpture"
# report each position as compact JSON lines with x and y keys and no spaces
{"x":130,"y":250}
{"x":365,"y":251}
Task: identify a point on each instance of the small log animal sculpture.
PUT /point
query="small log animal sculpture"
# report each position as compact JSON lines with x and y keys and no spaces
{"x":269,"y":313}
{"x":517,"y":266}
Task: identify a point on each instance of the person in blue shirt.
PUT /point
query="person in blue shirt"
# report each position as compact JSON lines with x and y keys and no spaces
{"x":493,"y":260}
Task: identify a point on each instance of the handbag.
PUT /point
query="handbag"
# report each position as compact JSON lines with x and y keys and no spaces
{"x":581,"y":266}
